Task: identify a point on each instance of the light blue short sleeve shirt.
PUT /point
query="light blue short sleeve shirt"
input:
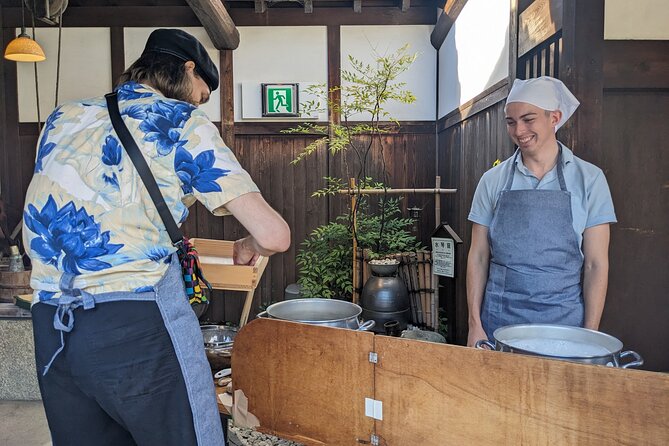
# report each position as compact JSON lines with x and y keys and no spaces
{"x":591,"y":202}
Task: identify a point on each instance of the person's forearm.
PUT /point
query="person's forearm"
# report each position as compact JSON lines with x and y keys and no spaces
{"x":249,"y":243}
{"x":477,"y":275}
{"x":595,"y":284}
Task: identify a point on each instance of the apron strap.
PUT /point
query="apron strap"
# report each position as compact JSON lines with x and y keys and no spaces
{"x":560,"y":173}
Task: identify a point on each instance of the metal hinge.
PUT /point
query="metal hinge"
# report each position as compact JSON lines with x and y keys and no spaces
{"x":375,"y":440}
{"x":374,"y":408}
{"x":373,"y":357}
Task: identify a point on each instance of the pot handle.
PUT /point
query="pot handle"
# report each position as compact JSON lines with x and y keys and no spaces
{"x":262,"y":314}
{"x":638,"y":360}
{"x":481,"y":342}
{"x":367,"y":325}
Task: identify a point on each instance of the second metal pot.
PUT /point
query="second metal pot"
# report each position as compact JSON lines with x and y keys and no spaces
{"x":563,"y":342}
{"x":326,"y":312}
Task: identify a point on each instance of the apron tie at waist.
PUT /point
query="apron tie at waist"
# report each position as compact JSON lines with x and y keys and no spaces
{"x":67,"y":303}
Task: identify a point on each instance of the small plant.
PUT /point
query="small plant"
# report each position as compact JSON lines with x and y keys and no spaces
{"x":326,"y":256}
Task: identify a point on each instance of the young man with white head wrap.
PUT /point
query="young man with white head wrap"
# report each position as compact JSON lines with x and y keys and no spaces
{"x":540,"y":235}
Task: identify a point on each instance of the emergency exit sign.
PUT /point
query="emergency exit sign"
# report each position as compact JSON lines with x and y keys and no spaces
{"x":280,"y":100}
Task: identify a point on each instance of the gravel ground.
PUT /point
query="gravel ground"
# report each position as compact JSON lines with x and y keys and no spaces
{"x":238,"y":436}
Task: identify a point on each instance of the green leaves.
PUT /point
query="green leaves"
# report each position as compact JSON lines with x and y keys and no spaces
{"x":325,"y":258}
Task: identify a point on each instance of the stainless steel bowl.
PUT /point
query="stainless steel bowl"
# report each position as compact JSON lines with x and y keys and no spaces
{"x":562,"y":342}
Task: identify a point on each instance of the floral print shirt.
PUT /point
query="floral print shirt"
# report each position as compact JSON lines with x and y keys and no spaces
{"x":87,"y":211}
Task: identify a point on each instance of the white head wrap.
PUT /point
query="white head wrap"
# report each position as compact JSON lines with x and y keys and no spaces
{"x":546,"y":93}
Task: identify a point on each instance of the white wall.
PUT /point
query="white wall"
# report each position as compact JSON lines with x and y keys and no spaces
{"x":638,"y":19}
{"x":85,"y":70}
{"x":135,"y":40}
{"x":277,"y":54}
{"x":364,"y":42}
{"x":475,"y":54}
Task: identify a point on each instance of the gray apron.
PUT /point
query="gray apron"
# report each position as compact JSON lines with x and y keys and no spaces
{"x":535,"y":259}
{"x":184,"y":329}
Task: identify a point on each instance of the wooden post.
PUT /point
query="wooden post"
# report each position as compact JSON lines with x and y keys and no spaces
{"x":435,"y":278}
{"x":351,"y":185}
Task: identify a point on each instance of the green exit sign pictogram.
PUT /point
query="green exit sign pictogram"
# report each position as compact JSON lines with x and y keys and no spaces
{"x":280,"y":100}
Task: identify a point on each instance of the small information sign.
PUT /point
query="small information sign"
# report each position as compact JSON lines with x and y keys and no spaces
{"x":443,"y":257}
{"x":280,"y":100}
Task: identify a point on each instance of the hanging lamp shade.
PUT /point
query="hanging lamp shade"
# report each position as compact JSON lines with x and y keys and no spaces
{"x":24,"y":49}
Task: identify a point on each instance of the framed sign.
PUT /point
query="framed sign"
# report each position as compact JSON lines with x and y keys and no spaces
{"x":280,"y":100}
{"x":443,"y":257}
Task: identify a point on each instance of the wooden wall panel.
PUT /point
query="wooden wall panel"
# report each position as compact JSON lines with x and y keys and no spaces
{"x":635,"y":159}
{"x":466,"y":150}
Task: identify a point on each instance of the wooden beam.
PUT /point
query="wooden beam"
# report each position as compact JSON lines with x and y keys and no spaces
{"x":117,"y":52}
{"x":406,"y":4}
{"x":635,"y":64}
{"x":446,"y":19}
{"x":179,"y":16}
{"x":308,"y":6}
{"x":357,"y":5}
{"x":513,"y":41}
{"x":334,"y":71}
{"x":217,"y":22}
{"x":260,"y":6}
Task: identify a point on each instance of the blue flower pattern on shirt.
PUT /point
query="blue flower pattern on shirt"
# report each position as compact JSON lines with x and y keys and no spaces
{"x":45,"y":148}
{"x":80,"y":186}
{"x":111,"y":157}
{"x":163,"y":124}
{"x":68,"y":238}
{"x":199,"y":173}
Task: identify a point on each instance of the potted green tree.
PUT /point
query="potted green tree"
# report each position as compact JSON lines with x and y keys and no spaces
{"x":326,"y":256}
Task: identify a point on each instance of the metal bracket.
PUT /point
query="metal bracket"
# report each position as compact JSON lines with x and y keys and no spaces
{"x":373,"y":357}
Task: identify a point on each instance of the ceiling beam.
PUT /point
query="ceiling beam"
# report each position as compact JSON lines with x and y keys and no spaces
{"x":452,"y":9}
{"x":217,"y":22}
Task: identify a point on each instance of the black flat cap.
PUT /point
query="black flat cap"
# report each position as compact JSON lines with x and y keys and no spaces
{"x":186,"y":47}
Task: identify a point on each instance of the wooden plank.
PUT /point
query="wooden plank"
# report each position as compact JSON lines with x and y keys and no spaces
{"x":633,"y":64}
{"x":505,"y":398}
{"x":117,"y":52}
{"x":634,"y":311}
{"x":180,"y":16}
{"x":450,"y":13}
{"x":539,"y":21}
{"x":334,"y":71}
{"x":226,"y":92}
{"x":217,"y":22}
{"x":304,"y":382}
{"x":513,"y":40}
{"x":581,"y":66}
{"x":488,"y":98}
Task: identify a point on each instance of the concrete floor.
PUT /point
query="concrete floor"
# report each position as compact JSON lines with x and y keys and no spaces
{"x":22,"y":423}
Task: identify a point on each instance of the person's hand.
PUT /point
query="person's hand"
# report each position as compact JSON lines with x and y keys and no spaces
{"x":476,"y":333}
{"x":242,"y":254}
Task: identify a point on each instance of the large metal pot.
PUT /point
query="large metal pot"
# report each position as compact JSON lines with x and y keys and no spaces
{"x":218,"y":341}
{"x":562,"y":342}
{"x":326,"y":312}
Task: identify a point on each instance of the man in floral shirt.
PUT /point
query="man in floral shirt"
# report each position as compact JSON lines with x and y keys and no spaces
{"x":133,"y":369}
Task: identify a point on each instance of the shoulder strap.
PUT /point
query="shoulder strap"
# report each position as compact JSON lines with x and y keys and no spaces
{"x":142,"y":167}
